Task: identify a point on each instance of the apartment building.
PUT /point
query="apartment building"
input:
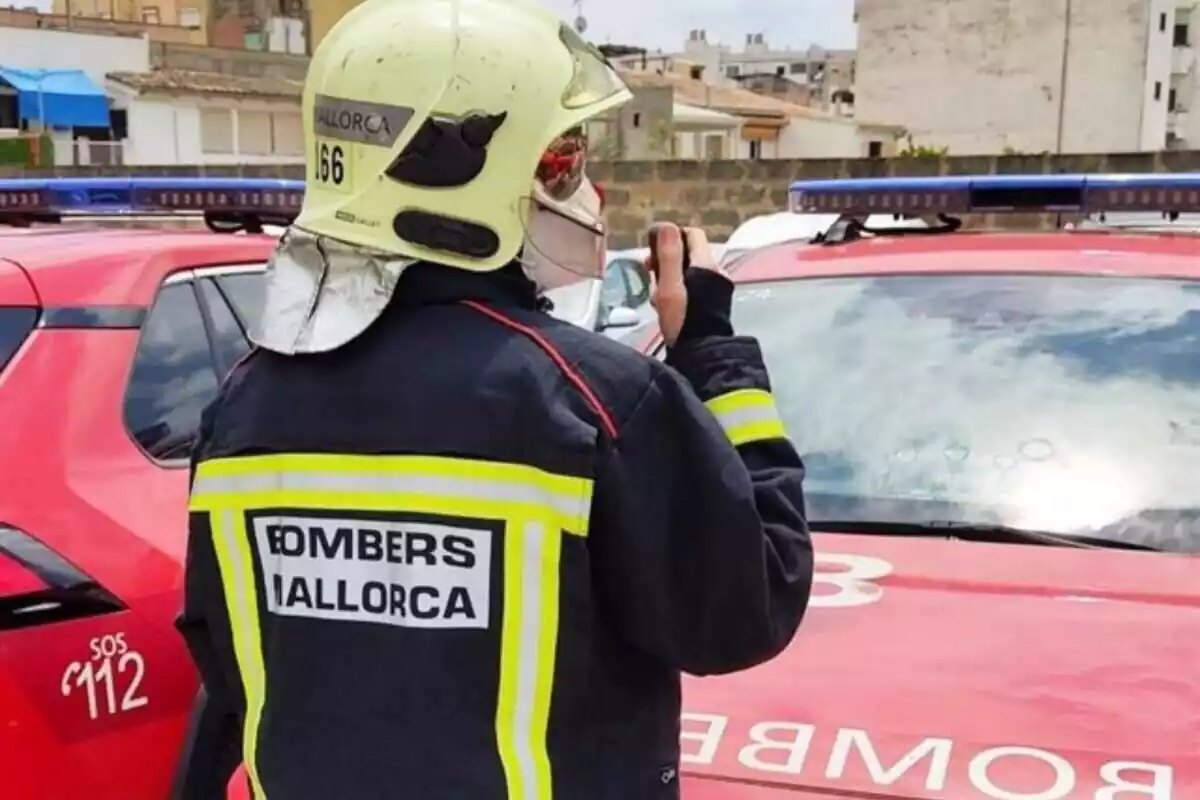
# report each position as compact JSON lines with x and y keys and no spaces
{"x":814,"y":76}
{"x":1031,"y":76}
{"x":1183,"y":98}
{"x":184,"y":13}
{"x":279,"y":26}
{"x":324,"y":14}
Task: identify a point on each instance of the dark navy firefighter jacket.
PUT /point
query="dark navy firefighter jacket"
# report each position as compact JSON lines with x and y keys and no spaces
{"x":467,"y":555}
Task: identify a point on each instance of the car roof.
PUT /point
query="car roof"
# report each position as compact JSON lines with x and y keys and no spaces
{"x":1050,"y":252}
{"x":106,"y":266}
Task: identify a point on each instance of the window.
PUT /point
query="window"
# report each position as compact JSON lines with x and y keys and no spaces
{"x":1054,"y":402}
{"x":288,"y":134}
{"x":189,"y":17}
{"x":245,"y":292}
{"x":216,"y":130}
{"x":254,"y":133}
{"x":875,"y":149}
{"x":732,"y":71}
{"x":638,"y":281}
{"x":714,"y":147}
{"x":613,"y":291}
{"x":118,"y":119}
{"x":798,"y":68}
{"x":697,"y":73}
{"x":229,"y":340}
{"x":637,"y":119}
{"x":626,"y":284}
{"x":173,"y":376}
{"x":151,"y":15}
{"x":9,"y":118}
{"x":15,"y":325}
{"x":1158,"y":90}
{"x":755,"y":149}
{"x":1171,"y":100}
{"x":1181,"y":35}
{"x":1162,"y":22}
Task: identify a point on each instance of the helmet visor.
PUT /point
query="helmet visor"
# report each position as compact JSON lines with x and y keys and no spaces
{"x":594,"y":80}
{"x":560,"y":171}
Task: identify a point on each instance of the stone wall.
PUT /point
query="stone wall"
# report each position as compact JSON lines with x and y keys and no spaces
{"x":718,"y":195}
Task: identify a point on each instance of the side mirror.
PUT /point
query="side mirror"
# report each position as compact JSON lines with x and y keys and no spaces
{"x":620,"y":317}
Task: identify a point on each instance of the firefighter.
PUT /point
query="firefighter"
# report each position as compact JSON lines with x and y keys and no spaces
{"x":442,"y":545}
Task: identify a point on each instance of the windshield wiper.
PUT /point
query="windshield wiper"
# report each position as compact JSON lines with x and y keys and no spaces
{"x":975,"y":532}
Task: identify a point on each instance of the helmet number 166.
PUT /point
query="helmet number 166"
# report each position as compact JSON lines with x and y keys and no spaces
{"x":330,"y":164}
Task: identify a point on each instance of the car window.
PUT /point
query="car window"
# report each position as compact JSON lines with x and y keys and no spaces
{"x":15,"y":325}
{"x":639,"y":283}
{"x":173,"y":375}
{"x":245,"y":291}
{"x":1061,"y":403}
{"x":228,"y":337}
{"x":614,"y":291}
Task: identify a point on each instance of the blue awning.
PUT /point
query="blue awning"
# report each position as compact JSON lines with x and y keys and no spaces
{"x":59,"y":98}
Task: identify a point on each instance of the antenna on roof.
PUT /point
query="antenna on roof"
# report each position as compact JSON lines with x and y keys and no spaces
{"x":581,"y":23}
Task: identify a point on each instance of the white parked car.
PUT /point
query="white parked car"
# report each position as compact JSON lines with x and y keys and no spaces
{"x":1141,"y":222}
{"x":786,"y":226}
{"x":617,"y":306}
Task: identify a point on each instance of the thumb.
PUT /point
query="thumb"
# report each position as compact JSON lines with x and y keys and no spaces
{"x":669,"y":257}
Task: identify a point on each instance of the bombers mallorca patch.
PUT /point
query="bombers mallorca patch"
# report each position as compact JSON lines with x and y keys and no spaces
{"x":392,"y":572}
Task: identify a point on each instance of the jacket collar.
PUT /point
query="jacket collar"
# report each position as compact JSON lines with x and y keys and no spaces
{"x":423,"y":284}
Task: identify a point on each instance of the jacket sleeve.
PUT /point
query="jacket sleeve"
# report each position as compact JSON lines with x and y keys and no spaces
{"x":212,"y":749}
{"x":700,"y":547}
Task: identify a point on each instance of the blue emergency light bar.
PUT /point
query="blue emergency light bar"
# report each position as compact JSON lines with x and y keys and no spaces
{"x":992,"y":194}
{"x":246,"y":196}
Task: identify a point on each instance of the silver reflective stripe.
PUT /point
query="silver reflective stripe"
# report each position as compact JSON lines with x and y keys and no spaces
{"x":438,"y":486}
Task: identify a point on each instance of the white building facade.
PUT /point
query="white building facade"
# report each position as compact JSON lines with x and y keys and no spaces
{"x":93,"y":54}
{"x":821,"y":72}
{"x":817,"y":77}
{"x":1026,"y":76}
{"x":180,"y":117}
{"x":1183,"y":99}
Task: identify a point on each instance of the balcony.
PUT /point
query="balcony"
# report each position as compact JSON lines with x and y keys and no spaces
{"x":1183,"y":59}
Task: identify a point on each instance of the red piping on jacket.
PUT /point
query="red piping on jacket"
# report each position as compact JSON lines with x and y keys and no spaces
{"x":550,"y":350}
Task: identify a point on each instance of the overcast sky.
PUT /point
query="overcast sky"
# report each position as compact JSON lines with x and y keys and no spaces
{"x":663,"y":24}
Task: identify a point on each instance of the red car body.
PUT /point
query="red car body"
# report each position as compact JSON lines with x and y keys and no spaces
{"x":95,"y":684}
{"x":889,"y":691}
{"x":946,"y":670}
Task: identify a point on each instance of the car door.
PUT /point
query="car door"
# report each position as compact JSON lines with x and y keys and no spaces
{"x":90,"y":675}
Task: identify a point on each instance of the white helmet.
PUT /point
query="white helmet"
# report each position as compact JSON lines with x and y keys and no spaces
{"x":449,"y":131}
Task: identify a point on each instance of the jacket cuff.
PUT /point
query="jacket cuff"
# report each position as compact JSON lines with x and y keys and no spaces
{"x":717,"y":365}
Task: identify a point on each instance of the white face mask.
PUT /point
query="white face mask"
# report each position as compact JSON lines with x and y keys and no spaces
{"x":566,"y":241}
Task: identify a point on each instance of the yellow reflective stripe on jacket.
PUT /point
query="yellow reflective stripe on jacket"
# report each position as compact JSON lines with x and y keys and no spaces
{"x":747,"y":415}
{"x":236,"y":564}
{"x":536,"y":506}
{"x":432,"y":484}
{"x":528,"y":641}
